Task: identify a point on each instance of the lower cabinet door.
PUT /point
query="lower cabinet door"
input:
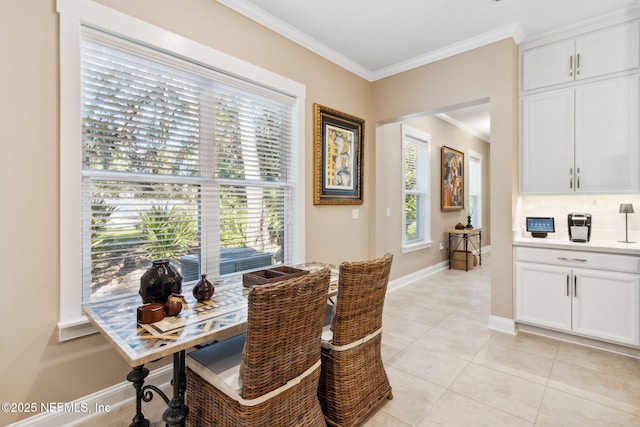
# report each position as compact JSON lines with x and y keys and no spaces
{"x":543,"y":295}
{"x":606,"y":305}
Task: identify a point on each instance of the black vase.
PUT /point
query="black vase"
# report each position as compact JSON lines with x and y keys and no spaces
{"x":160,"y":281}
{"x":203,"y":290}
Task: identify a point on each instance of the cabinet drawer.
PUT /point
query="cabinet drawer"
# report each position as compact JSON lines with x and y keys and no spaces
{"x":595,"y":260}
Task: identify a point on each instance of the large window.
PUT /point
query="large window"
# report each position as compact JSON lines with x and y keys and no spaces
{"x":416,"y":216}
{"x":172,"y":157}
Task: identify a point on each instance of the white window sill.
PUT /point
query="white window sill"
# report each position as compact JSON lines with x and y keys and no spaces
{"x":416,"y":246}
{"x":71,"y":329}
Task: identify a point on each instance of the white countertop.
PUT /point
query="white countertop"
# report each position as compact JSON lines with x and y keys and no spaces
{"x":608,"y":246}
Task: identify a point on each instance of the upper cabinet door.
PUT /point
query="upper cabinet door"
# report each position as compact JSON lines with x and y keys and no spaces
{"x":598,"y":53}
{"x":607,"y":132}
{"x":608,"y":51}
{"x":547,"y":142}
{"x":547,"y":65}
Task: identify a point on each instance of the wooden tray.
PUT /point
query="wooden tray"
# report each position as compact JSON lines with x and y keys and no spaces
{"x":275,"y":274}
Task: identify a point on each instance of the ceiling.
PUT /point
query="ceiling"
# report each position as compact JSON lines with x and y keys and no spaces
{"x":378,"y":38}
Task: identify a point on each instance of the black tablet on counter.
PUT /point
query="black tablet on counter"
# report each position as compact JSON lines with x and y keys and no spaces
{"x":539,"y":226}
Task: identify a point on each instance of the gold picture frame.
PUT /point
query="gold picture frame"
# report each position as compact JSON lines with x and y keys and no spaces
{"x":452,"y":188}
{"x":337,"y":158}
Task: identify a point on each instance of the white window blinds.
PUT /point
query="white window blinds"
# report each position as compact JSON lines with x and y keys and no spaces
{"x":179,"y":161}
{"x":416,"y":214}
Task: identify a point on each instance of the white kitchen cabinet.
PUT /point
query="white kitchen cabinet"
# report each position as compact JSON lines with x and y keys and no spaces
{"x":543,"y":295}
{"x":605,"y":305}
{"x":597,"y":53}
{"x":554,"y":290}
{"x":606,"y":136}
{"x":582,"y":139}
{"x":547,"y":142}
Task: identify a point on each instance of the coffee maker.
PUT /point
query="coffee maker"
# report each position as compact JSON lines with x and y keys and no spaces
{"x":579,"y":227}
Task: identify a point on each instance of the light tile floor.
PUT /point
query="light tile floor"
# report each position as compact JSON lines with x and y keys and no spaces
{"x":447,"y":369}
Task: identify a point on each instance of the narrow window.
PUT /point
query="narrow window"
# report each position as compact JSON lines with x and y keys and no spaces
{"x":416,"y":207}
{"x":475,"y":188}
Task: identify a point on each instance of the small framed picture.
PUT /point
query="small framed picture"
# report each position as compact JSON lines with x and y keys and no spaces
{"x":452,"y":179}
{"x":337,"y":158}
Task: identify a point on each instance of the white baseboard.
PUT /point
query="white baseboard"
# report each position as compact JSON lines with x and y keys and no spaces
{"x":412,"y":277}
{"x":502,"y":324}
{"x":78,"y":412}
{"x":421,"y":274}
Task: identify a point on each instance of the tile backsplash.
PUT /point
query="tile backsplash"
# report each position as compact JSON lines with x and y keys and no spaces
{"x":606,"y":222}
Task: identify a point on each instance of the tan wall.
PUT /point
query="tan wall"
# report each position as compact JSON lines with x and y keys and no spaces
{"x":389,"y":187}
{"x":490,"y":72}
{"x":34,"y":366}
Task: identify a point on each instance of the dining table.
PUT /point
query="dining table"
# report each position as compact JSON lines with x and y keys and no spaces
{"x":197,"y":324}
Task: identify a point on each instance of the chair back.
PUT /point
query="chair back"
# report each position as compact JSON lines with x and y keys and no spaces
{"x":361,"y":291}
{"x":284,"y":329}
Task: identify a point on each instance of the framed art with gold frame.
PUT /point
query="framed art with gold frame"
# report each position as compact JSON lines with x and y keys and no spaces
{"x":337,"y":157}
{"x":452,"y":189}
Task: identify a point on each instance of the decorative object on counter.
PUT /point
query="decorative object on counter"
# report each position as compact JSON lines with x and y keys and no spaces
{"x":540,"y":226}
{"x":468,"y":221}
{"x":271,"y":275}
{"x":174,"y":305}
{"x":203,"y":290}
{"x":159,"y":281}
{"x":459,"y":226}
{"x":150,"y":313}
{"x":579,"y":227}
{"x":626,"y":209}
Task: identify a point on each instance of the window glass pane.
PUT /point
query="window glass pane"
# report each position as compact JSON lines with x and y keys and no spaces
{"x":133,"y":223}
{"x":139,"y":116}
{"x":412,"y":217}
{"x":410,"y":164}
{"x":181,"y":165}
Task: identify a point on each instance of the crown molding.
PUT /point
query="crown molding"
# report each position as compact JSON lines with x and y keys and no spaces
{"x":274,"y":24}
{"x":514,"y":31}
{"x":463,"y":126}
{"x":247,"y":9}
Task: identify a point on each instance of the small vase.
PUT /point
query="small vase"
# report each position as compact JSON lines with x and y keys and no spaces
{"x":203,"y":290}
{"x":159,"y":281}
{"x":174,"y":304}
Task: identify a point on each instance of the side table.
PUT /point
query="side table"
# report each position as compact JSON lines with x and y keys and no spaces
{"x":465,"y":236}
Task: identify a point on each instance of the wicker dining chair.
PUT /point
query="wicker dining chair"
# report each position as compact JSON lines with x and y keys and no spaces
{"x":353,"y":382}
{"x":271,"y":379}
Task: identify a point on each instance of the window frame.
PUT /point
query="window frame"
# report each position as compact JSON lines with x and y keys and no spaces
{"x":416,"y":136}
{"x":75,"y":13}
{"x":475,"y":158}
